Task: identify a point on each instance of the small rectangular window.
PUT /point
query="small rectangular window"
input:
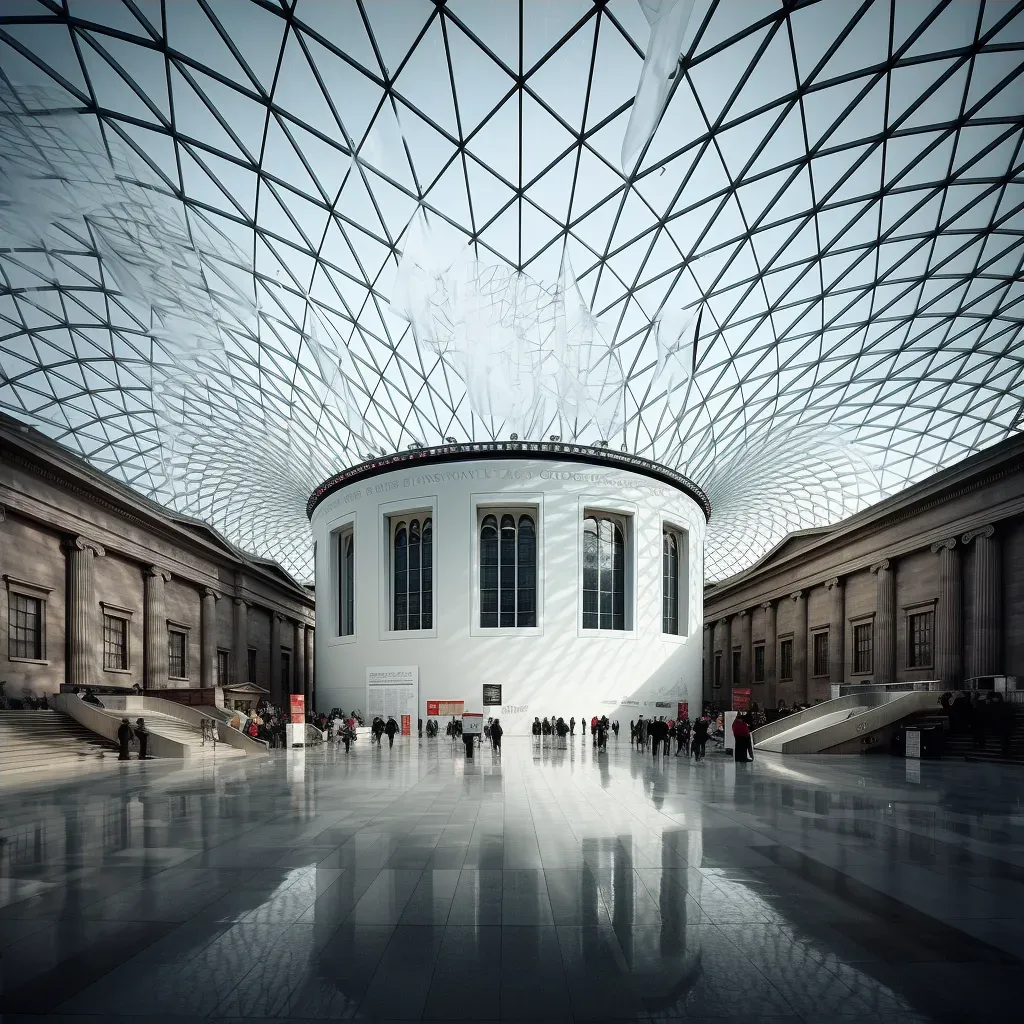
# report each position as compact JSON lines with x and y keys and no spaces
{"x":346,"y":581}
{"x":786,"y":659}
{"x":863,"y":647}
{"x":177,"y":654}
{"x":820,"y":652}
{"x":286,"y":672}
{"x":919,"y":639}
{"x":251,"y":665}
{"x":759,"y":663}
{"x":25,"y":627}
{"x":223,"y":667}
{"x":115,"y":643}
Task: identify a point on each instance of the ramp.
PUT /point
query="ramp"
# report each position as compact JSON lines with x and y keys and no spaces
{"x":838,"y":721}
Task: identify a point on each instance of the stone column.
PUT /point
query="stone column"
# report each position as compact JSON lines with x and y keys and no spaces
{"x":81,"y":611}
{"x":885,"y":623}
{"x":208,"y":638}
{"x":949,"y":612}
{"x":771,"y":664}
{"x":727,"y":682}
{"x":154,"y":628}
{"x":310,"y":693}
{"x":801,"y":677}
{"x":837,"y":631}
{"x":987,"y":646}
{"x":240,"y":642}
{"x":298,"y":656}
{"x":746,"y":648}
{"x":276,"y":692}
{"x":709,"y":660}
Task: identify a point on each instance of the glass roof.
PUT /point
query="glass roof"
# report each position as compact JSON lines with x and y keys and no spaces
{"x":792,"y":233}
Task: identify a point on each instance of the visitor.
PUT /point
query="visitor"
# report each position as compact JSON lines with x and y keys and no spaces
{"x":700,"y":737}
{"x":572,"y":727}
{"x":583,"y":726}
{"x":535,"y":729}
{"x":615,"y":728}
{"x":91,"y":698}
{"x":683,"y":737}
{"x":143,"y":734}
{"x":742,"y":750}
{"x":391,"y":728}
{"x":496,"y":734}
{"x":593,"y":731}
{"x":124,"y":737}
{"x":137,"y":689}
{"x":657,"y":731}
{"x":670,"y":731}
{"x":545,"y":728}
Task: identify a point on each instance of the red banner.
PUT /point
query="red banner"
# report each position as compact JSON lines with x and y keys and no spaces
{"x":444,"y":708}
{"x":684,"y":710}
{"x":298,"y":708}
{"x":406,"y":725}
{"x":741,"y":699}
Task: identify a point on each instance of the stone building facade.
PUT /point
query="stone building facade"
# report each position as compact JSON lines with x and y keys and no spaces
{"x":928,"y":584}
{"x":99,"y":586}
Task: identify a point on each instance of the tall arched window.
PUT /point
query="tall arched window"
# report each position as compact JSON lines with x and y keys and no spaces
{"x":604,"y":572}
{"x":346,"y":582}
{"x":669,"y":582}
{"x":508,"y":571}
{"x":413,"y":574}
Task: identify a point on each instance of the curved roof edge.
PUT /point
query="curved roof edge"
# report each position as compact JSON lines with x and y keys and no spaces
{"x":550,"y":451}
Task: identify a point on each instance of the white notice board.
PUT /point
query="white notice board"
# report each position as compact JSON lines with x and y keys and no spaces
{"x":392,"y":690}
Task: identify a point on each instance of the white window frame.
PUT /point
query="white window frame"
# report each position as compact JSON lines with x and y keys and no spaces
{"x":125,"y":614}
{"x":627,"y":516}
{"x":39,"y":593}
{"x":179,"y":627}
{"x":390,"y":514}
{"x":336,"y":529}
{"x":531,"y":504}
{"x":682,"y":534}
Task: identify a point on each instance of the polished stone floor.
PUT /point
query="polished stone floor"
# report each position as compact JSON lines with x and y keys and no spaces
{"x":553,"y":885}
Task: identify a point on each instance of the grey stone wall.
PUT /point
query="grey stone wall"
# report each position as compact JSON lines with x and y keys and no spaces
{"x":985,"y":492}
{"x":48,"y":497}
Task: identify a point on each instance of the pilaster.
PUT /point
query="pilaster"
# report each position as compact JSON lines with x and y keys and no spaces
{"x":81,"y":611}
{"x":986,"y":591}
{"x":949,"y":625}
{"x":885,"y":622}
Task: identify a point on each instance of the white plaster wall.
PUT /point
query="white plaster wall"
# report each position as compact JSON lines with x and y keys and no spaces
{"x":556,"y":669}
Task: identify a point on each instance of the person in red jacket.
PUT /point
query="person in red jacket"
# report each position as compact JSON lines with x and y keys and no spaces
{"x":742,"y":747}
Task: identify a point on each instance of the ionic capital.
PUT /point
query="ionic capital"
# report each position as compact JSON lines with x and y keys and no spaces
{"x":833,"y":583}
{"x":240,"y":602}
{"x":882,"y":566}
{"x":797,"y":595}
{"x":3,"y":514}
{"x":153,"y":571}
{"x":767,"y":604}
{"x":84,"y":544}
{"x":743,"y":614}
{"x":949,"y":544}
{"x":982,"y":531}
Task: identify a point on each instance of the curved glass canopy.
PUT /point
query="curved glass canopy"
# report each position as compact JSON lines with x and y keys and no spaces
{"x":778,"y":247}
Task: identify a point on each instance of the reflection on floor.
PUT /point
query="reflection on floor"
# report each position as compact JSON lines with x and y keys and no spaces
{"x":552,"y":885}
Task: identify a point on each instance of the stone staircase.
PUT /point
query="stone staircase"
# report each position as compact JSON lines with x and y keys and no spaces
{"x":180,"y":732}
{"x":962,"y":744}
{"x":42,"y":741}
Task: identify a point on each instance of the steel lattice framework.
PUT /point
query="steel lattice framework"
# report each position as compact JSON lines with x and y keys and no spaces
{"x":202,"y":203}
